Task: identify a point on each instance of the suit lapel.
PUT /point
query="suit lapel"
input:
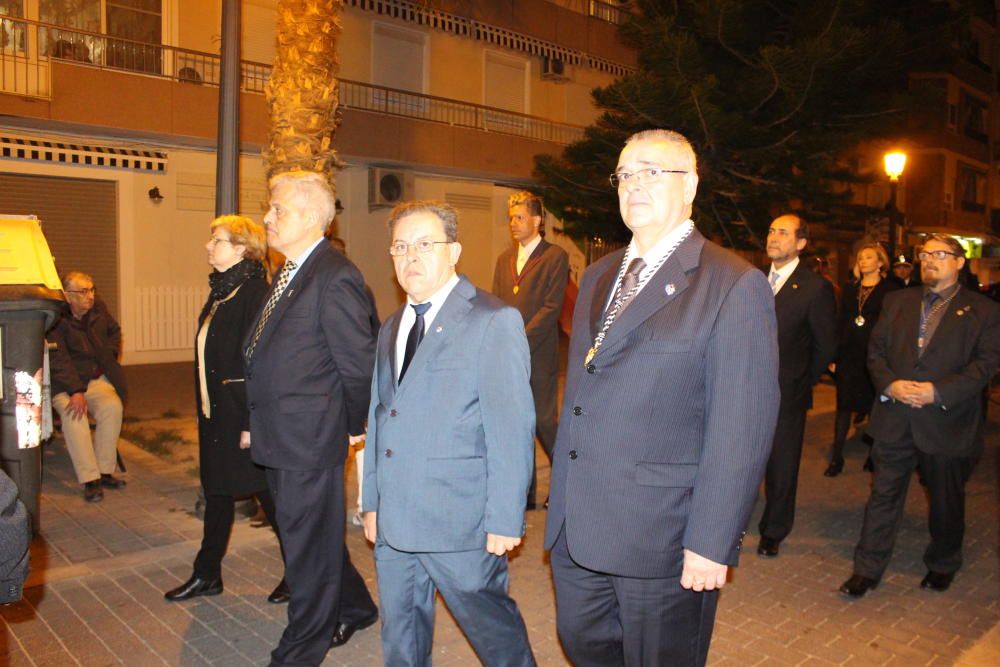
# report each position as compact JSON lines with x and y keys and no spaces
{"x":667,"y":284}
{"x":440,"y":332}
{"x":792,"y":286}
{"x":949,"y":320}
{"x":287,"y":297}
{"x":602,"y":292}
{"x":387,"y":354}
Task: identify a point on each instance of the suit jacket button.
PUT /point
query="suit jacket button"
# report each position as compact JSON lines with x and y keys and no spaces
{"x":572,"y":454}
{"x":388,"y":453}
{"x":392,"y":413}
{"x":252,"y":405}
{"x":591,"y":368}
{"x":577,"y":411}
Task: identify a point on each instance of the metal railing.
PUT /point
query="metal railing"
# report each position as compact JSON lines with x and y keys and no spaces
{"x":28,"y":47}
{"x":394,"y":102}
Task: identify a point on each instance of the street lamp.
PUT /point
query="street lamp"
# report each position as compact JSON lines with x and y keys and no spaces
{"x":895,"y":162}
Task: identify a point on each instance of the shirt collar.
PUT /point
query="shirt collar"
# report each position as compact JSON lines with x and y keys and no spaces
{"x":786,"y":270}
{"x":946,"y":293}
{"x":526,"y":250}
{"x":658,"y":251}
{"x":300,"y":260}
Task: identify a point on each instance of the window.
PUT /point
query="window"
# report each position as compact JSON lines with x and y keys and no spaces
{"x":970,"y":188}
{"x":972,"y":115}
{"x":505,"y":88}
{"x":133,"y":29}
{"x":11,"y":32}
{"x":398,"y":63}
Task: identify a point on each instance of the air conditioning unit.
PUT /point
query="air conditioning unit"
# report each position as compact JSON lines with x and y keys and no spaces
{"x":554,"y":69}
{"x":388,"y":187}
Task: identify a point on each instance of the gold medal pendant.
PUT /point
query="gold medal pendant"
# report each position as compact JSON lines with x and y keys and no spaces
{"x":859,"y":320}
{"x":590,"y":355}
{"x":517,"y":288}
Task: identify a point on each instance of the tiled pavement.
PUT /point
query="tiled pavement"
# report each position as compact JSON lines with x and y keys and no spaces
{"x":99,"y":572}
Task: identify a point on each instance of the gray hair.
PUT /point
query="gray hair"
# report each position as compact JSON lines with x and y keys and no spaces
{"x":313,"y":191}
{"x":675,"y":138}
{"x":444,"y":212}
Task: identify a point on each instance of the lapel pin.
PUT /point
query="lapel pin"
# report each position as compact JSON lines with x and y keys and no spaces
{"x":290,"y":292}
{"x":795,"y":285}
{"x":438,"y":329}
{"x":670,"y":289}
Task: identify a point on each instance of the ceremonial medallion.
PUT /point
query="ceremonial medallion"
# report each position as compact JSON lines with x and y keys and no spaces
{"x":517,"y":288}
{"x":859,"y":320}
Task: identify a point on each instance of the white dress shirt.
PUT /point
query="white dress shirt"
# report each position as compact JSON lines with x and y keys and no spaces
{"x":783,"y":274}
{"x":524,"y":252}
{"x":409,"y":317}
{"x":663,"y":248}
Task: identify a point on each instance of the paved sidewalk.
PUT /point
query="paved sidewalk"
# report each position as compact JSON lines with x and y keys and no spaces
{"x":99,"y":572}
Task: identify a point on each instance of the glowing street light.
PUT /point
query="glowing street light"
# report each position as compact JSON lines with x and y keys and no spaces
{"x":895,"y":162}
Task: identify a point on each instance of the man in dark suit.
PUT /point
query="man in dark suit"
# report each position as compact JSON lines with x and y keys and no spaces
{"x":531,"y":275}
{"x":450,"y":450}
{"x":932,"y":353}
{"x":807,"y":340}
{"x":308,"y":369}
{"x":671,"y":397}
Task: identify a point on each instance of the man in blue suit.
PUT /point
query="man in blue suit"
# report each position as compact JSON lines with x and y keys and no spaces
{"x":450,"y":449}
{"x":670,"y":406}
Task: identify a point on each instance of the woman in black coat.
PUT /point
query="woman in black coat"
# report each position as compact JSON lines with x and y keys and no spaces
{"x":859,"y":309}
{"x":238,"y":287}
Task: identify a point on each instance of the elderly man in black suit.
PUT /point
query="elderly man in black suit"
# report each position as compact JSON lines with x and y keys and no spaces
{"x":932,"y":353}
{"x":807,"y":340}
{"x":531,"y":276}
{"x":671,"y":398}
{"x":309,"y":359}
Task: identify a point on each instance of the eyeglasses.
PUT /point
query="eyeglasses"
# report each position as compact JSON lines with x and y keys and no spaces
{"x":85,"y":291}
{"x":217,"y":241}
{"x":936,"y":254}
{"x":423,"y":246}
{"x":643,"y":176}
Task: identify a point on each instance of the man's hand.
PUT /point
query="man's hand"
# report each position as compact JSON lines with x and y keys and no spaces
{"x":498,"y":545}
{"x":244,"y":439}
{"x":78,"y":406}
{"x":702,"y":574}
{"x":914,"y":394}
{"x":355,"y":439}
{"x":371,"y":531}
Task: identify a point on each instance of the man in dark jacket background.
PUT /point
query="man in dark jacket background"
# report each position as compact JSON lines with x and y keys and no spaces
{"x":87,"y":379}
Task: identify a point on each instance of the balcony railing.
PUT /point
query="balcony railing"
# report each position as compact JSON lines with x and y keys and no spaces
{"x":605,"y":11}
{"x":28,"y":47}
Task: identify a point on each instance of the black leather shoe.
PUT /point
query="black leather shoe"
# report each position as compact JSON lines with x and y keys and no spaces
{"x":111,"y":482}
{"x":937,"y":581}
{"x":345,"y":631}
{"x":194,"y":587}
{"x":768,"y":548}
{"x":834,"y":469}
{"x":280,"y":594}
{"x":92,"y":492}
{"x":857,"y":586}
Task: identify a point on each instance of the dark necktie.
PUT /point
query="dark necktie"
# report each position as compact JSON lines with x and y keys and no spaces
{"x":629,"y":282}
{"x":414,"y":337}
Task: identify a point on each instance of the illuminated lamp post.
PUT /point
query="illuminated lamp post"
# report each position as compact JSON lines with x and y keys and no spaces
{"x":895,"y":162}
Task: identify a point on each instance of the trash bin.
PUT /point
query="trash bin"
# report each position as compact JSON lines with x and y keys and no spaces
{"x":30,"y":300}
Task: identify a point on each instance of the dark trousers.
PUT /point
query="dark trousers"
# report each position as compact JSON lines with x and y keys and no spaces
{"x":473,"y":584}
{"x":325,"y":588}
{"x":605,"y":620}
{"x":945,"y":476}
{"x":781,"y":481}
{"x":544,"y":390}
{"x":218,"y":525}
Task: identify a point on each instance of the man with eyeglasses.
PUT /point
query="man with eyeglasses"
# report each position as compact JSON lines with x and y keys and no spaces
{"x":87,"y":379}
{"x":450,"y":449}
{"x":932,"y":353}
{"x":531,"y":276}
{"x":670,"y":404}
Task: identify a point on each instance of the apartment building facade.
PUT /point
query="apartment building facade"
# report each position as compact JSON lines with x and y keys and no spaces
{"x":108,"y":114}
